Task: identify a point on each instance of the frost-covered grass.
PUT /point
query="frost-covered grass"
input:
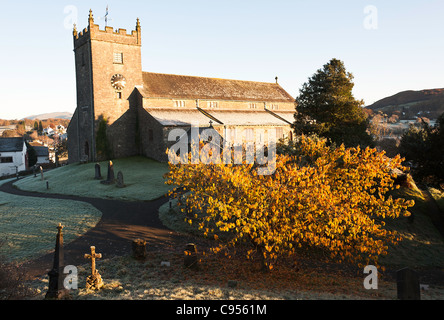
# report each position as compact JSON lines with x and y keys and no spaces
{"x":143,"y":179}
{"x":127,"y":279}
{"x":28,"y":225}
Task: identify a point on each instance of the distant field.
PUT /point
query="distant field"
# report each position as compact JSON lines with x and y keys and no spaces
{"x":143,"y":179}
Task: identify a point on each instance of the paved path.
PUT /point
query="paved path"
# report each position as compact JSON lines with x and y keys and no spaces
{"x":121,"y":223}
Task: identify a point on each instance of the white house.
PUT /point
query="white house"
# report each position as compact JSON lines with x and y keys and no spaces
{"x":48,"y":131}
{"x":13,"y":156}
{"x":42,"y":154}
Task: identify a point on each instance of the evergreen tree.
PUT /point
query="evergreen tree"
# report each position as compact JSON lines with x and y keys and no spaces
{"x":327,"y":107}
{"x":40,"y":130}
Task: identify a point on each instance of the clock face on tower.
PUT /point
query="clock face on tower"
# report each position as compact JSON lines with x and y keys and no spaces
{"x":118,"y":81}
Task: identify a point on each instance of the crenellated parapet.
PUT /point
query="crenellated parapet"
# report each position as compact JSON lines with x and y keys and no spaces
{"x":93,"y":32}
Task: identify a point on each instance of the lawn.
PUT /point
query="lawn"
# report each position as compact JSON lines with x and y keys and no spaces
{"x":143,"y":179}
{"x":28,"y":225}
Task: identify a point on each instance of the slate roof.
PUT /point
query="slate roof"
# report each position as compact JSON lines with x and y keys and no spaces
{"x":41,"y":151}
{"x":158,"y":85}
{"x":201,"y":117}
{"x":11,"y":144}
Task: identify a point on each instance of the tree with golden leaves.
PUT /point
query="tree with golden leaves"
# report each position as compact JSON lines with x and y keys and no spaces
{"x":324,"y":200}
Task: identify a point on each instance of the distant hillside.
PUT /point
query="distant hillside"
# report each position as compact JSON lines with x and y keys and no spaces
{"x":52,"y":115}
{"x":427,"y":103}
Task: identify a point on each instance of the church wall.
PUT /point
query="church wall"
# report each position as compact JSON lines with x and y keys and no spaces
{"x":151,"y":136}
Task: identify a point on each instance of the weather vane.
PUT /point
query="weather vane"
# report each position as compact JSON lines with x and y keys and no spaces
{"x":106,"y":17}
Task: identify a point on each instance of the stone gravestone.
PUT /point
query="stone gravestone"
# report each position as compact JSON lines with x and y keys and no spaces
{"x":94,"y":281}
{"x":139,"y":249}
{"x":56,"y":288}
{"x":190,"y":259}
{"x":41,"y":173}
{"x":408,"y":284}
{"x":110,"y":176}
{"x":98,"y":174}
{"x":120,"y":183}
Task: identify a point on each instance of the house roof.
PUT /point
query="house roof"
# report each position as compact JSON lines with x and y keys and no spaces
{"x":11,"y":144}
{"x":41,"y":151}
{"x":158,"y":85}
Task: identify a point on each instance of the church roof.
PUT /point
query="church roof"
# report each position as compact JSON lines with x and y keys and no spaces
{"x":160,"y":85}
{"x":200,"y":117}
{"x":11,"y":144}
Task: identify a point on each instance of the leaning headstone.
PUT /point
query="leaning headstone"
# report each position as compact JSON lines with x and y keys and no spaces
{"x":139,"y":249}
{"x":98,"y":174}
{"x":94,"y":281}
{"x":41,"y":173}
{"x":408,"y":284}
{"x":119,"y":181}
{"x":56,"y":289}
{"x":110,"y":176}
{"x":190,"y":259}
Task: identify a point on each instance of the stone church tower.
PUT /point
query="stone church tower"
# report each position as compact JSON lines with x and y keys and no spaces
{"x":108,"y":66}
{"x":142,"y":108}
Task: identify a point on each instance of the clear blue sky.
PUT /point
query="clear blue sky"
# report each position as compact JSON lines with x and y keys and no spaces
{"x":247,"y":40}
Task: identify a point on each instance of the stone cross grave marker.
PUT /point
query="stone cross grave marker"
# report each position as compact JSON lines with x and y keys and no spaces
{"x":408,"y":284}
{"x":94,"y":281}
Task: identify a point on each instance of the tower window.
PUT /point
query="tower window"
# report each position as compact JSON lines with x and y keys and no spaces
{"x":253,"y":106}
{"x":118,"y":57}
{"x":119,"y":95}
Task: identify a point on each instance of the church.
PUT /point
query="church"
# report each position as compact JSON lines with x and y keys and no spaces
{"x":134,"y":110}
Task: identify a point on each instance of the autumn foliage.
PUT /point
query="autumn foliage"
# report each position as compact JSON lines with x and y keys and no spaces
{"x":324,"y":201}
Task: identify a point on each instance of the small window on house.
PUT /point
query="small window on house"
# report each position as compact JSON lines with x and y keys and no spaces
{"x":6,"y":160}
{"x":118,"y":58}
{"x":119,"y":95}
{"x":179,"y":103}
{"x":150,"y":135}
{"x":253,"y":106}
{"x":213,"y":104}
{"x":279,"y":133}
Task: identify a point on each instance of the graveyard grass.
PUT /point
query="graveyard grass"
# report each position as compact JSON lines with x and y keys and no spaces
{"x":143,"y":179}
{"x":125,"y":278}
{"x":128,"y":279}
{"x":28,"y":225}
